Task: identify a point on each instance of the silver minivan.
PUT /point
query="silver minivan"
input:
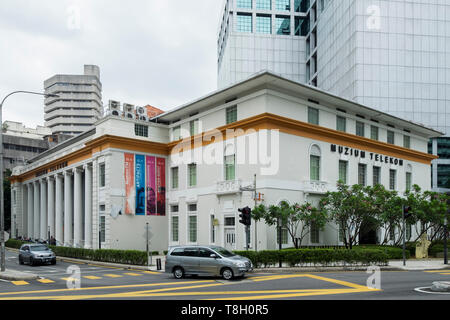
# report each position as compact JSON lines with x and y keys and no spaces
{"x":206,"y":261}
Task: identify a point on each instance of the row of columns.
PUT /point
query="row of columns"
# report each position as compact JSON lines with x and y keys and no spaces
{"x":54,"y":207}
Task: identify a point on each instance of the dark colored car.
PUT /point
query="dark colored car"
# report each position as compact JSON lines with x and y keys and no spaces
{"x":36,"y":253}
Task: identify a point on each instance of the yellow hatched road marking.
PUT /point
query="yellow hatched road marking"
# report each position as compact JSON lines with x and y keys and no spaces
{"x":68,"y":279}
{"x":133,"y":274}
{"x":446,"y":273}
{"x":46,"y":281}
{"x":92,"y":277}
{"x":112,"y":275}
{"x":19,"y":283}
{"x":151,"y":272}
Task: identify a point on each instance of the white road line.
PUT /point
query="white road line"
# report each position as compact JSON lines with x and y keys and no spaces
{"x":420,"y":289}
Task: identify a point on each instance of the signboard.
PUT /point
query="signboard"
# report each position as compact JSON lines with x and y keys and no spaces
{"x":364,"y":154}
{"x":129,"y":183}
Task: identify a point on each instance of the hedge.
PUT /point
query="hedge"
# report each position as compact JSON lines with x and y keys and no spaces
{"x":133,"y":257}
{"x":323,"y":257}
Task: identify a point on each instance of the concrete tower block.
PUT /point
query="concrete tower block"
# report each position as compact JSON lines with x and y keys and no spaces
{"x":91,"y":70}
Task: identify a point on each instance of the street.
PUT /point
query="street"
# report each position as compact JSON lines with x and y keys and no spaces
{"x":106,"y":283}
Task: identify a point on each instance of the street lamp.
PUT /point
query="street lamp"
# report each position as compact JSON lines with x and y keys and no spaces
{"x":2,"y":209}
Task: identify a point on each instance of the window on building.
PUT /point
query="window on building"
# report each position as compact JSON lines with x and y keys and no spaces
{"x":284,"y":236}
{"x":192,"y":228}
{"x":102,"y":178}
{"x":340,"y":233}
{"x":141,"y":130}
{"x":313,"y":115}
{"x":176,"y":131}
{"x":373,"y":133}
{"x":174,"y":208}
{"x":244,"y":22}
{"x":193,"y":127}
{"x":390,"y":137}
{"x":283,"y":25}
{"x":392,"y":234}
{"x":314,"y":233}
{"x":443,"y":148}
{"x":392,"y":179}
{"x":230,"y":164}
{"x":229,"y":221}
{"x":264,"y":24}
{"x":408,"y":181}
{"x":231,"y":114}
{"x":376,"y":175}
{"x":174,"y":177}
{"x":314,"y":163}
{"x":362,"y":170}
{"x":343,"y":171}
{"x":244,"y":4}
{"x":360,"y":129}
{"x":301,"y":26}
{"x":406,"y":141}
{"x":443,"y":176}
{"x":102,"y":228}
{"x":264,"y":4}
{"x":301,"y":5}
{"x":192,"y":207}
{"x":192,"y":172}
{"x":341,"y":124}
{"x":175,"y":228}
{"x":283,"y":5}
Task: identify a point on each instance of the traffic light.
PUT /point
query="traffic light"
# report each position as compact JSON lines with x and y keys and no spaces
{"x":246,"y":216}
{"x":406,"y":212}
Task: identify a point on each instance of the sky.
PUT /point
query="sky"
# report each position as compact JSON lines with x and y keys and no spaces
{"x":157,"y":52}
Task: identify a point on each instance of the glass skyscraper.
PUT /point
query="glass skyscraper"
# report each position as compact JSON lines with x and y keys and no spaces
{"x":391,"y":55}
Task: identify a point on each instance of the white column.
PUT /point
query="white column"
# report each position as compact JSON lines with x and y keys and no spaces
{"x":88,"y":206}
{"x":51,"y":205}
{"x":78,"y":208}
{"x":30,"y":210}
{"x":68,"y":200}
{"x":59,"y":210}
{"x":36,"y":211}
{"x":43,"y":213}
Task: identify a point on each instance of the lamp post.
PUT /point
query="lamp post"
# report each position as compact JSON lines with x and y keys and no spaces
{"x":2,"y":209}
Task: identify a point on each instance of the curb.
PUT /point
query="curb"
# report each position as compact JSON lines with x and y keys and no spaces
{"x":11,"y":277}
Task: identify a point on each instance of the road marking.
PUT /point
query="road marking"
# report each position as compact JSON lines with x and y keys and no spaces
{"x":420,"y":289}
{"x":151,"y":272}
{"x":435,"y":271}
{"x":104,"y":287}
{"x":69,"y":279}
{"x":446,"y":273}
{"x":112,"y":275}
{"x":19,"y":283}
{"x":92,"y":277}
{"x":45,"y":281}
{"x":133,"y":274}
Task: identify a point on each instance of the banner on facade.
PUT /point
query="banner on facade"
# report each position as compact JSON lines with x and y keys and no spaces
{"x":161,"y":186}
{"x":140,"y":185}
{"x":129,"y":183}
{"x":151,"y":185}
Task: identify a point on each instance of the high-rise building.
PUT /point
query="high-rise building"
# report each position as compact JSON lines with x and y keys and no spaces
{"x":79,"y":104}
{"x":393,"y":56}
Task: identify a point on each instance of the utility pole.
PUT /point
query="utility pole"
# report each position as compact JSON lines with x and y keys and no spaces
{"x":256,"y":229}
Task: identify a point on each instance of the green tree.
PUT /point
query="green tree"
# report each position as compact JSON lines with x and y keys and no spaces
{"x":348,"y":207}
{"x":294,"y":218}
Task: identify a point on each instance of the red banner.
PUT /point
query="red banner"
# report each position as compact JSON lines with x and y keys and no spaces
{"x":129,"y":184}
{"x":161,"y":186}
{"x":151,"y":185}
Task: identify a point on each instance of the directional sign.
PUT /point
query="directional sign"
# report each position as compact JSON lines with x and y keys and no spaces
{"x":150,"y":234}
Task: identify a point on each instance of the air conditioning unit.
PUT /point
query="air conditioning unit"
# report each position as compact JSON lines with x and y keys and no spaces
{"x":130,"y":108}
{"x":113,"y":105}
{"x":130,"y":115}
{"x":116,"y":113}
{"x":141,"y":111}
{"x":142,"y":117}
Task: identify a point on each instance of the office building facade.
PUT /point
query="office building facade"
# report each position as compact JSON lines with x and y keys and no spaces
{"x":79,"y":102}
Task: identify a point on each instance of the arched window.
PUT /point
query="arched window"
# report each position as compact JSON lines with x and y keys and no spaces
{"x":314,"y":163}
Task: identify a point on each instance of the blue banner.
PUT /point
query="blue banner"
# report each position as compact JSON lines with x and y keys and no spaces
{"x":140,"y":185}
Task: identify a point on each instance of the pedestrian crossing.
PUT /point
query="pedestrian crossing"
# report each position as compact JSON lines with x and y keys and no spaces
{"x":87,"y":277}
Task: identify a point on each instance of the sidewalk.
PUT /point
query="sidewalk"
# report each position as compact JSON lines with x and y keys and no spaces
{"x":420,"y":264}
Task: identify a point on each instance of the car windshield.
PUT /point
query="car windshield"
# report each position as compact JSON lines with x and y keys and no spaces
{"x":224,"y":252}
{"x":38,"y":248}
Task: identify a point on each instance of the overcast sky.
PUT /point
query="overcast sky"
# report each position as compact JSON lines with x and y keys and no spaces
{"x":158,"y":52}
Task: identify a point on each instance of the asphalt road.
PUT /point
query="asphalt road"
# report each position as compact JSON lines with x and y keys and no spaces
{"x":57,"y":282}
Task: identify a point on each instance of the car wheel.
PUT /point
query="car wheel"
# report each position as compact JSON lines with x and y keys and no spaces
{"x":20,"y":260}
{"x":178,"y":273}
{"x":227,"y":274}
{"x":53,"y":262}
{"x":31,"y":261}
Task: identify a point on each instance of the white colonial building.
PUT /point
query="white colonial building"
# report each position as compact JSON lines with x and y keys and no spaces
{"x":184,"y":171}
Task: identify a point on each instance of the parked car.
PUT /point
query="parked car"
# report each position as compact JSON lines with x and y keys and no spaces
{"x":36,"y":253}
{"x":206,"y":261}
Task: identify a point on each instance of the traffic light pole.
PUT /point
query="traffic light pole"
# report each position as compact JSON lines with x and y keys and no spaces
{"x":445,"y":241}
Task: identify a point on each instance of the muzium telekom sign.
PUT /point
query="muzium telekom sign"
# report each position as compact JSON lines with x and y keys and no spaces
{"x":366,"y":155}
